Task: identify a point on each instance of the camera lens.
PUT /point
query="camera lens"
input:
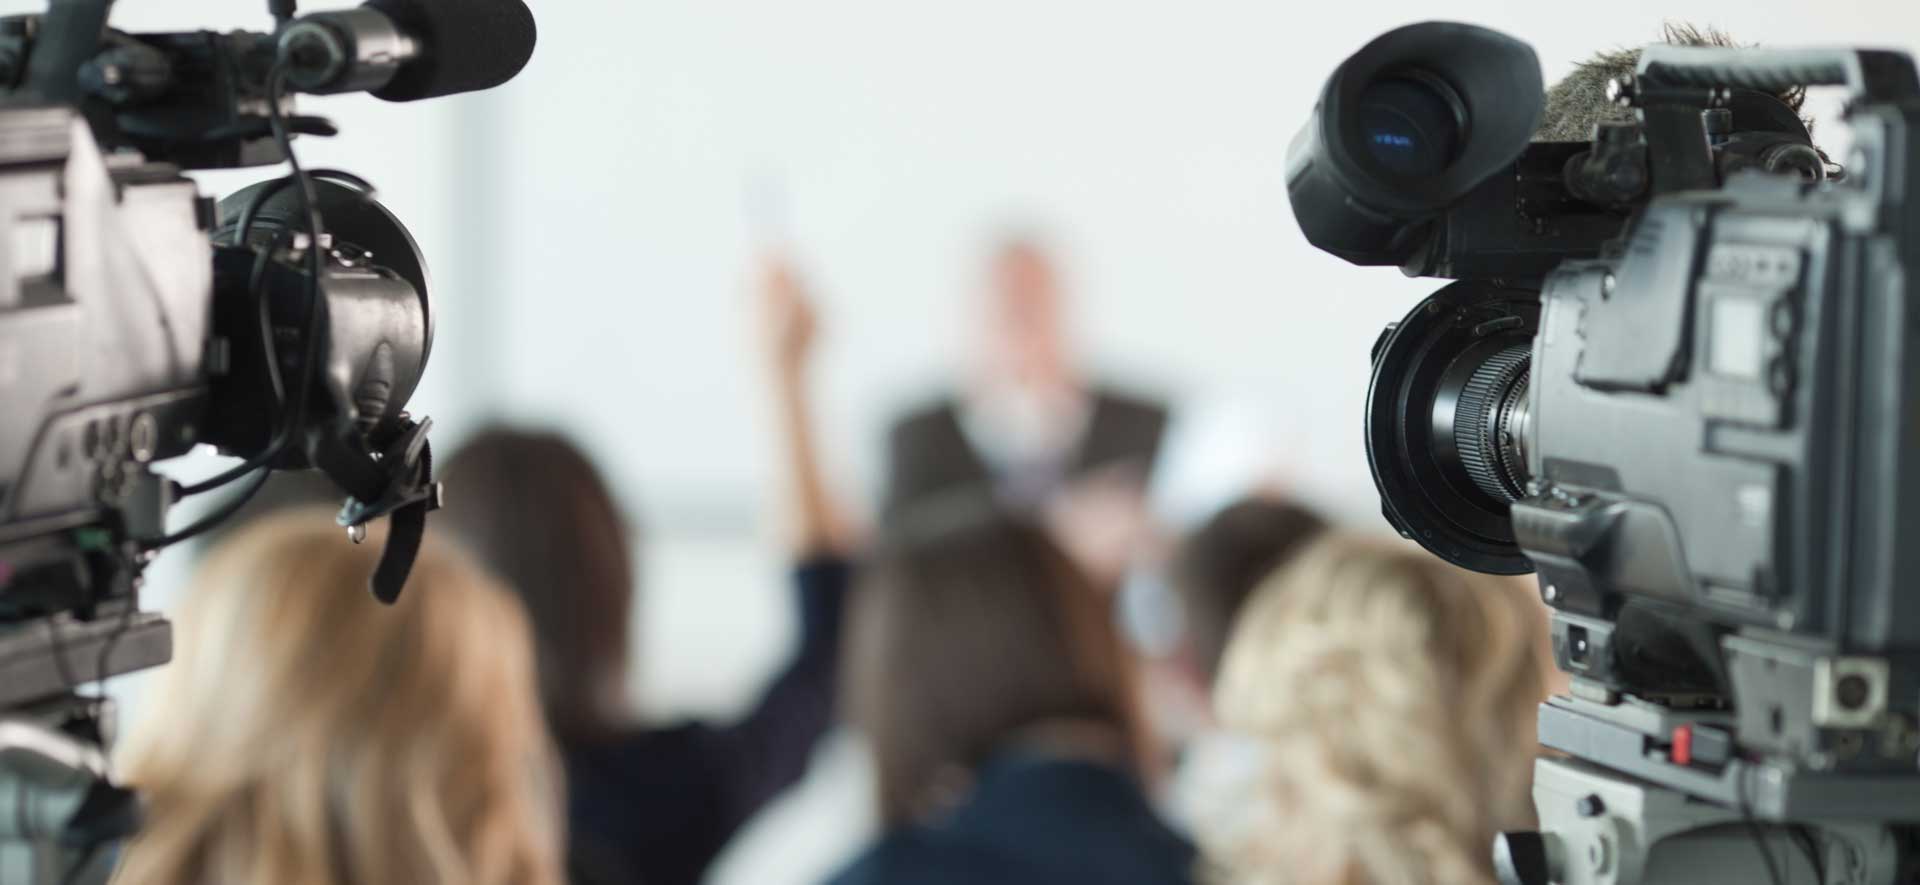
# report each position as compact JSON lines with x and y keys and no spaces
{"x":1448,"y":422}
{"x":1410,"y":125}
{"x":1484,"y":417}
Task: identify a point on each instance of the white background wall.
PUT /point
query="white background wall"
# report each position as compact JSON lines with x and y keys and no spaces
{"x":591,"y":226}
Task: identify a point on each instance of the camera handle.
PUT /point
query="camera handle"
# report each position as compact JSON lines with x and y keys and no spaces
{"x":1868,"y":75}
{"x":388,"y":475}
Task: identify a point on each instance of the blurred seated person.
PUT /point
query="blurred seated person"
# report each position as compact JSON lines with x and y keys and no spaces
{"x":1029,"y":425}
{"x":996,"y":693}
{"x":653,"y":804}
{"x":1213,"y":573}
{"x":306,"y":733}
{"x":1397,"y":696}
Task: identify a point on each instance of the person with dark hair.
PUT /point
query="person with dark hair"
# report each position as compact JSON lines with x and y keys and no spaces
{"x":1218,"y":567}
{"x":1212,"y":574}
{"x":998,"y":697}
{"x":541,"y":514}
{"x":653,"y":805}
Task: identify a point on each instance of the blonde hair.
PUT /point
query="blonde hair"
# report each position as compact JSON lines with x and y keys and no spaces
{"x":1396,"y":696}
{"x":305,"y":734}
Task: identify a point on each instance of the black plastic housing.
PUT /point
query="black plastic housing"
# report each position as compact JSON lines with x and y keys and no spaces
{"x":1354,"y":206}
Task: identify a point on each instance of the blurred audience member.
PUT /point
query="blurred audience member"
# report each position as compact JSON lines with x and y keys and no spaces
{"x":999,"y":701}
{"x":1029,"y":425}
{"x":656,"y":805}
{"x":1213,"y":573}
{"x":309,"y":734}
{"x":1217,"y":569}
{"x":1397,"y":697}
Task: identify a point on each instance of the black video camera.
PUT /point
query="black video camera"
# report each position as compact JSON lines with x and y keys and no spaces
{"x":286,"y":325}
{"x":1679,"y":377}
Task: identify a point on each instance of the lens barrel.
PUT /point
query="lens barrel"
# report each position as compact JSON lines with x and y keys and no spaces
{"x":1448,"y":422}
{"x":1484,"y":421}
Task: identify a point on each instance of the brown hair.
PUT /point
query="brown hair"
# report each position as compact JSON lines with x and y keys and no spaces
{"x":1218,"y":567}
{"x":306,"y":733}
{"x":539,"y":513}
{"x":964,"y":635}
{"x":1396,"y":695}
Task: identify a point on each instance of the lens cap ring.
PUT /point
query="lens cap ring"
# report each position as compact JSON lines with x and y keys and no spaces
{"x":1459,"y":525}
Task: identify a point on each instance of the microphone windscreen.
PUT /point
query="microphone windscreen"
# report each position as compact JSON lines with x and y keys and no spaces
{"x":465,"y":45}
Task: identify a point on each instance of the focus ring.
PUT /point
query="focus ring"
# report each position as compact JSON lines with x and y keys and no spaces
{"x":1478,"y":421}
{"x":1509,"y":432}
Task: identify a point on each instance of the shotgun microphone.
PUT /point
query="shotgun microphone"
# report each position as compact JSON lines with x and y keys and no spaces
{"x":406,"y":50}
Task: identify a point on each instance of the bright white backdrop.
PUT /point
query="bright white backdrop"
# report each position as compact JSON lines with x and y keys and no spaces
{"x":591,"y":226}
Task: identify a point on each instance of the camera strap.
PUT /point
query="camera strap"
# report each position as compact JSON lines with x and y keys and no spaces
{"x":406,"y":529}
{"x":398,"y":484}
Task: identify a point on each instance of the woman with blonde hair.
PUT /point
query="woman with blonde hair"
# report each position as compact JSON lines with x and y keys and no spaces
{"x":1396,"y":698}
{"x":305,"y":734}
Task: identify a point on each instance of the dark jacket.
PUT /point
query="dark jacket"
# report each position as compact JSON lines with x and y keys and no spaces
{"x":1034,"y":819}
{"x":656,"y":806}
{"x":929,"y":454}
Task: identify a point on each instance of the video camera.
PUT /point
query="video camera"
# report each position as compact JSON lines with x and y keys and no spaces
{"x":286,"y":325}
{"x":1678,"y":376}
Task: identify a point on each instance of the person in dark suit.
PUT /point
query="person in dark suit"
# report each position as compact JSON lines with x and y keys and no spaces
{"x":654,"y":805}
{"x":989,"y":679}
{"x":1029,"y":425}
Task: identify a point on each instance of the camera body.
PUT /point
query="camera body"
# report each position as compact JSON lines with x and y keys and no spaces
{"x":287,"y":325}
{"x":95,"y":385}
{"x":127,"y":337}
{"x":1677,"y":376}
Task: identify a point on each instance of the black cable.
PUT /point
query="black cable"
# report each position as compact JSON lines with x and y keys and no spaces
{"x":113,"y":641}
{"x":1753,"y":826}
{"x":310,"y":207}
{"x":59,"y":648}
{"x":82,"y":863}
{"x":64,"y":668}
{"x":270,"y":351}
{"x":206,"y":523}
{"x":283,"y":431}
{"x":243,"y":230}
{"x":283,"y":426}
{"x":1809,"y":841}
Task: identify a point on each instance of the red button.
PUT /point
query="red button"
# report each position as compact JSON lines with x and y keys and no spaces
{"x":1682,"y":745}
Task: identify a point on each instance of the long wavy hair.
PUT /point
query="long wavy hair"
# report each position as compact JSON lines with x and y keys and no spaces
{"x":1397,"y":697}
{"x":305,"y":734}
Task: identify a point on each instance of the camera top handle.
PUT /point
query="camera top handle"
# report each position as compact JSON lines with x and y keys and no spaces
{"x":1868,"y":75}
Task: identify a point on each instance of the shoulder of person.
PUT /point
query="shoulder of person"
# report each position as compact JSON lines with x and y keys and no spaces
{"x":927,"y":413}
{"x":914,"y":856}
{"x":1131,"y":403}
